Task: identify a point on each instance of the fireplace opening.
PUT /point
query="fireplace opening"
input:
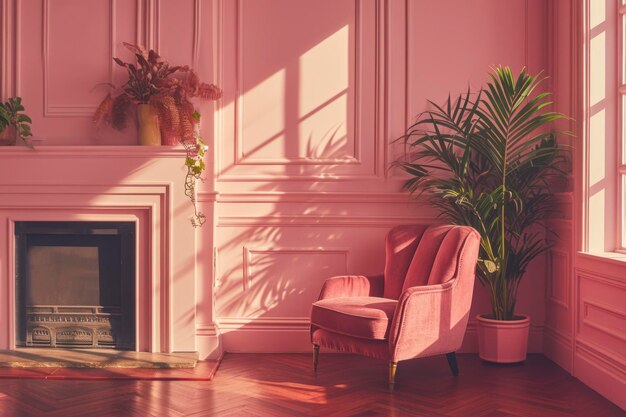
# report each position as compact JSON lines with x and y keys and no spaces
{"x":75,"y":284}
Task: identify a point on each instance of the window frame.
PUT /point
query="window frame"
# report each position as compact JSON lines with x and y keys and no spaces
{"x":620,"y":244}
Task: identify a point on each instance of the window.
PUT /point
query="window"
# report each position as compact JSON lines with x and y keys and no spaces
{"x":604,"y":96}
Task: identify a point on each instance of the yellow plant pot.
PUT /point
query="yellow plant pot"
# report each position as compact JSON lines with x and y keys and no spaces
{"x":149,"y":132}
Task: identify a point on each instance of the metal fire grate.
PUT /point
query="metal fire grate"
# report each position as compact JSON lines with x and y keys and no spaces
{"x":72,"y":326}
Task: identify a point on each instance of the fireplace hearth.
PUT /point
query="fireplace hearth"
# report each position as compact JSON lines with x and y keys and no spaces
{"x":75,"y":284}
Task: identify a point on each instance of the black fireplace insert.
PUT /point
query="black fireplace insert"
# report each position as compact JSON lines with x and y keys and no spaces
{"x":75,"y":284}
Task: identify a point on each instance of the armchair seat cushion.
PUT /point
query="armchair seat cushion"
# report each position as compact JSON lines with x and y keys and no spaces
{"x":363,"y":317}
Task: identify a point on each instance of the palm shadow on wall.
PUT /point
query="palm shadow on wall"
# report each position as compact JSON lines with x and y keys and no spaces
{"x":295,"y":138}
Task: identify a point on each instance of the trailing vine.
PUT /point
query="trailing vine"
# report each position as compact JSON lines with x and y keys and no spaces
{"x":194,"y":161}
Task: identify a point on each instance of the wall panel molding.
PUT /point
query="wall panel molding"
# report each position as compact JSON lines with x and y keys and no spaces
{"x":77,"y":109}
{"x":268,"y":324}
{"x":601,"y":357}
{"x":7,"y":48}
{"x":317,"y":197}
{"x":230,"y":166}
{"x":558,"y":282}
{"x":321,"y":221}
{"x":240,"y":157}
{"x":600,"y":278}
{"x":249,"y":253}
{"x":609,"y":314}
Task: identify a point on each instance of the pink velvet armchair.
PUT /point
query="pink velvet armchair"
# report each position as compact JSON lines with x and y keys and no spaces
{"x":419,"y":307}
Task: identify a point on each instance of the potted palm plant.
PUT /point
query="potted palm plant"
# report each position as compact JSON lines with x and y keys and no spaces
{"x":14,"y":123}
{"x":488,"y":160}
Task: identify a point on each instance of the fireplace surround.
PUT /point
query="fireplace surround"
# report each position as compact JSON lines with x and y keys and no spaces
{"x":75,"y":284}
{"x":174,"y":292}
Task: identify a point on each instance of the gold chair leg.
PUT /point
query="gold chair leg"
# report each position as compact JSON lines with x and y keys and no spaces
{"x":393,"y":366}
{"x":316,"y":354}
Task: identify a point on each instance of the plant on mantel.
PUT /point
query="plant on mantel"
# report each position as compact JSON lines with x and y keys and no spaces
{"x":488,"y":160}
{"x":14,"y":123}
{"x":157,"y":91}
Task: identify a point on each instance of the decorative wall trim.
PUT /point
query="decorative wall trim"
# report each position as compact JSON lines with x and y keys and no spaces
{"x":599,"y":277}
{"x":320,"y":221}
{"x":599,"y":356}
{"x":248,"y":254}
{"x":17,"y":54}
{"x":557,"y":346}
{"x":151,"y":19}
{"x":240,"y":159}
{"x":558,"y":335}
{"x":139,"y":23}
{"x":559,"y":261}
{"x":93,"y":151}
{"x":197,"y":31}
{"x":74,"y":110}
{"x":6,"y":47}
{"x":316,"y":197}
{"x":587,"y":321}
{"x":209,"y":330}
{"x":268,"y":324}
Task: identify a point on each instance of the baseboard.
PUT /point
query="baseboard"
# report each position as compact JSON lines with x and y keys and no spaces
{"x":601,"y":371}
{"x":557,"y":346}
{"x":209,"y":342}
{"x":251,"y":340}
{"x":292,"y":335}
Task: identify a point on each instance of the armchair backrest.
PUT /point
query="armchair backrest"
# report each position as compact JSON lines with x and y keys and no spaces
{"x":401,"y":244}
{"x":427,"y":255}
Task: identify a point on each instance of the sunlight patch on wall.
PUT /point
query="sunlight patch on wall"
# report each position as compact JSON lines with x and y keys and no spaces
{"x":263,"y":111}
{"x":329,"y":142}
{"x":324,"y":71}
{"x":324,"y":75}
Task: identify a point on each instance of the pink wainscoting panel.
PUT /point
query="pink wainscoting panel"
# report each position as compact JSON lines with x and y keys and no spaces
{"x":585,"y":328}
{"x":299,"y":98}
{"x":62,"y":63}
{"x":558,"y":340}
{"x":600,"y":326}
{"x":315,"y":93}
{"x":271,"y":142}
{"x":453,"y":44}
{"x":558,"y":331}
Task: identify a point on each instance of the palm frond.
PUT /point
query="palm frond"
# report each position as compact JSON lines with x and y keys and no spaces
{"x":489,"y":162}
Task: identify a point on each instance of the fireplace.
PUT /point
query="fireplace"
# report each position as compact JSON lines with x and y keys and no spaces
{"x":75,"y":284}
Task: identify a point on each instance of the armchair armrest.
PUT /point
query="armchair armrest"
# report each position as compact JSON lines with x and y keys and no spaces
{"x":352,"y":286}
{"x":429,"y":320}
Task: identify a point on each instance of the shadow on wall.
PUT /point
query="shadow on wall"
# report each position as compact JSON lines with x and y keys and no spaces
{"x":294,"y":104}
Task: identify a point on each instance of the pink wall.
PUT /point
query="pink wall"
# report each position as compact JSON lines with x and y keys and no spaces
{"x":585,"y":330}
{"x":314,"y":95}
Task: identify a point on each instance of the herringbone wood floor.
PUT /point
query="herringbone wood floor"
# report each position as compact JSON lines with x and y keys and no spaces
{"x":283,"y":385}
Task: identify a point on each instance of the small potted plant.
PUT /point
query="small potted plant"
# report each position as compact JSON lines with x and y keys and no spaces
{"x":488,"y":160}
{"x":160,"y":95}
{"x":14,"y":123}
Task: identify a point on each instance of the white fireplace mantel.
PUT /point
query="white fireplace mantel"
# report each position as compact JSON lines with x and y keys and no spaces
{"x":112,"y":183}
